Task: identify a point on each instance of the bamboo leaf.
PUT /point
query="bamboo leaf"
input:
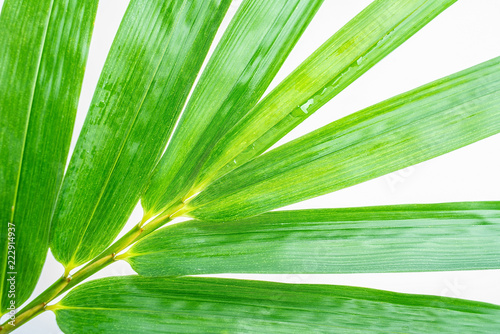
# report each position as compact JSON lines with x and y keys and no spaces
{"x":144,"y":84}
{"x":400,"y":238}
{"x":365,"y":40}
{"x":211,"y":305}
{"x":253,"y":48}
{"x":44,"y":51}
{"x":410,"y":128}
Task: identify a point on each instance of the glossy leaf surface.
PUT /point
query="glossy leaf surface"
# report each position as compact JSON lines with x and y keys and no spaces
{"x":153,"y":62}
{"x":44,"y":51}
{"x":424,"y":123}
{"x":209,"y":305}
{"x":253,"y":48}
{"x":361,"y":43}
{"x":399,"y":238}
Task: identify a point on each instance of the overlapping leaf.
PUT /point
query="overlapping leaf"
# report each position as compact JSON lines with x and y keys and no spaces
{"x":410,"y":128}
{"x":153,"y":62}
{"x":354,"y":49}
{"x":44,"y":50}
{"x":206,"y":305}
{"x":400,"y":238}
{"x":258,"y":40}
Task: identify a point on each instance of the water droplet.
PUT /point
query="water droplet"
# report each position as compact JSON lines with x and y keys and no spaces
{"x":386,"y":37}
{"x":302,"y":109}
{"x":101,"y":104}
{"x":306,"y":105}
{"x":328,"y":89}
{"x":360,"y":59}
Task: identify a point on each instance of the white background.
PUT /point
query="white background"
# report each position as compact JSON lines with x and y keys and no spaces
{"x":464,"y":35}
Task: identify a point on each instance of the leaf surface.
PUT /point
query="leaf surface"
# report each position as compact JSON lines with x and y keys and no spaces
{"x":400,"y":238}
{"x":44,"y":51}
{"x":251,"y":51}
{"x":153,"y":62}
{"x":421,"y":124}
{"x":211,"y":305}
{"x":354,"y":49}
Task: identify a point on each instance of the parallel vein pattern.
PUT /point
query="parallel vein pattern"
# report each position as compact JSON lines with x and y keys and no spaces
{"x":399,"y":238}
{"x":45,"y":48}
{"x":251,"y":51}
{"x":424,"y":123}
{"x":354,"y":49}
{"x":211,"y":305}
{"x":152,"y":64}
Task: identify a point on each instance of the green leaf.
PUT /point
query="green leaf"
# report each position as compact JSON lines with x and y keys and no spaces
{"x":253,"y":48}
{"x":410,"y":128}
{"x":454,"y":236}
{"x":148,"y":74}
{"x":44,"y":51}
{"x":211,"y":305}
{"x":365,"y":40}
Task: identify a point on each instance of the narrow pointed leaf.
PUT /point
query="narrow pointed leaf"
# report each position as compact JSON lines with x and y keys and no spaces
{"x":410,"y":128}
{"x":148,"y":74}
{"x":253,"y":48}
{"x":44,"y":51}
{"x":365,"y":40}
{"x":400,"y":238}
{"x":211,"y":305}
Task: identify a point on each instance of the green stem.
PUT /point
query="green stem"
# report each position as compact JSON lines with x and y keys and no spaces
{"x":38,"y":305}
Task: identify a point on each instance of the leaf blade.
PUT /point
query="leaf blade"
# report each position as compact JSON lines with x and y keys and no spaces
{"x":400,"y":238}
{"x":366,"y":39}
{"x":46,"y":101}
{"x":130,"y":119}
{"x":251,"y":51}
{"x":407,"y":129}
{"x":211,"y":305}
